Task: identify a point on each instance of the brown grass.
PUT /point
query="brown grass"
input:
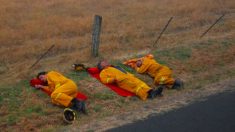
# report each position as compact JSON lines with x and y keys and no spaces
{"x":29,"y":28}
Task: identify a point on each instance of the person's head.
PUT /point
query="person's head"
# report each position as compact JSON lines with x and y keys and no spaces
{"x":102,"y":64}
{"x":42,"y":76}
{"x":138,"y":63}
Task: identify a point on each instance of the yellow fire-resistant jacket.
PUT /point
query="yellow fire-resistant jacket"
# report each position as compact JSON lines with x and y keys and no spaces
{"x":63,"y":89}
{"x":160,"y":73}
{"x":125,"y":80}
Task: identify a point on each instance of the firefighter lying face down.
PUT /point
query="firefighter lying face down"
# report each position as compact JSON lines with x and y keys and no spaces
{"x":125,"y":80}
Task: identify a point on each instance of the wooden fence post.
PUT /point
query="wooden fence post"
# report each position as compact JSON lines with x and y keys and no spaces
{"x":96,"y":35}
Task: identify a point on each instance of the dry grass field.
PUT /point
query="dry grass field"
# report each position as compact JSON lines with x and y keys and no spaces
{"x":129,"y":29}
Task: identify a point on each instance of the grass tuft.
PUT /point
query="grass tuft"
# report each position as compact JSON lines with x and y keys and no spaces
{"x":104,"y":96}
{"x":34,"y":109}
{"x":12,"y":119}
{"x":79,"y":75}
{"x":97,"y":108}
{"x":177,"y":53}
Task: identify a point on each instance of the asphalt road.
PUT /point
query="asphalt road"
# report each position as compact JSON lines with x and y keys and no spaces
{"x":215,"y":114}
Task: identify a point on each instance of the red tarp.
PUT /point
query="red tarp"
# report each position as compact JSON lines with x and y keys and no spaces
{"x":94,"y":72}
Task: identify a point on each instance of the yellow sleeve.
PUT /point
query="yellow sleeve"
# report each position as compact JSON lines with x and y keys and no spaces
{"x":55,"y":79}
{"x":107,"y":77}
{"x":46,"y":89}
{"x":144,"y":67}
{"x":131,"y":63}
{"x":51,"y":84}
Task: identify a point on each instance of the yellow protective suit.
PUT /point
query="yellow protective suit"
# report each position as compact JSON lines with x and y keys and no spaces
{"x":160,"y":73}
{"x":63,"y":89}
{"x":126,"y":81}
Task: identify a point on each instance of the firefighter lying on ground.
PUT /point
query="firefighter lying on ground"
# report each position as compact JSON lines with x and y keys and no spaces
{"x":162,"y":74}
{"x":125,"y":80}
{"x":63,"y":90}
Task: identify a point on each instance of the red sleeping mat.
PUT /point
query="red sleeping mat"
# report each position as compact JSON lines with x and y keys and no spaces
{"x":94,"y":72}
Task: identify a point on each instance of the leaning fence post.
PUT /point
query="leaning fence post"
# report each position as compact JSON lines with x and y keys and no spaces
{"x":163,"y":31}
{"x":212,"y":25}
{"x":96,"y":35}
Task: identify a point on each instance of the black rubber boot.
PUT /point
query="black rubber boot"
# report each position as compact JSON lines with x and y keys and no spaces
{"x":159,"y":90}
{"x":151,"y":94}
{"x":83,"y":107}
{"x":177,"y":84}
{"x":79,"y":106}
{"x":154,"y":93}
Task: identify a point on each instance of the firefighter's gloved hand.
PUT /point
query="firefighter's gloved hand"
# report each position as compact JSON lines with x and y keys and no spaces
{"x":79,"y":67}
